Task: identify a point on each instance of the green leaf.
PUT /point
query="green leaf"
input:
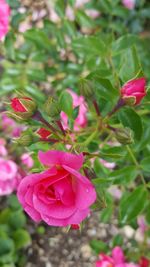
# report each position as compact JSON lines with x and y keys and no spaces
{"x":83,"y":19}
{"x":106,"y":214}
{"x":130,"y":66}
{"x":118,"y":240}
{"x":6,"y":246}
{"x":145,"y":164}
{"x":66,"y":103}
{"x":112,"y":153}
{"x":17,"y":219}
{"x":90,"y":46}
{"x":35,"y":92}
{"x":21,"y":238}
{"x":132,"y":204}
{"x":98,"y":246}
{"x":129,"y":118}
{"x":124,"y":42}
{"x":122,"y":176}
{"x":105,"y":88}
{"x":39,"y":38}
{"x":13,"y":202}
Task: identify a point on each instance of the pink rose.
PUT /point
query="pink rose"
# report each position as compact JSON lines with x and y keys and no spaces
{"x":60,"y":196}
{"x":81,"y":120}
{"x":130,"y":4}
{"x":116,"y":260}
{"x":27,"y":160}
{"x":8,"y":176}
{"x":134,"y":90}
{"x":4,"y":18}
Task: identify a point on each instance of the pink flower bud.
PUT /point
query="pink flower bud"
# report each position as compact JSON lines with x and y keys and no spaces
{"x":19,"y":104}
{"x":43,"y":133}
{"x":75,"y":226}
{"x":144,"y":262}
{"x":133,"y":91}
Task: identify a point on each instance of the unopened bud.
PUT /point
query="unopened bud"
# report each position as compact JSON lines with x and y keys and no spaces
{"x":51,"y":107}
{"x":130,"y":100}
{"x":124,"y":136}
{"x":23,"y":108}
{"x":43,"y":133}
{"x":86,"y":88}
{"x":25,"y":139}
{"x":75,"y":226}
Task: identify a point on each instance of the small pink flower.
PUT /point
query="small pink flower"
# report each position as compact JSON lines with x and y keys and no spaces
{"x":70,"y":13}
{"x":92,"y":13}
{"x":10,"y":126}
{"x":115,"y":191}
{"x":134,"y":89}
{"x":107,"y":164}
{"x":60,"y":196}
{"x":117,"y":259}
{"x":3,"y":150}
{"x":130,"y":4}
{"x":4,"y":18}
{"x":142,"y":223}
{"x":80,"y":3}
{"x":8,"y":176}
{"x":27,"y":160}
{"x":81,"y":120}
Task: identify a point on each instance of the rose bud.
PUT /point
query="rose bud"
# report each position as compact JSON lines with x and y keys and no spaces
{"x":25,"y":139}
{"x":23,"y":107}
{"x":75,"y":226}
{"x":133,"y":91}
{"x":124,"y":136}
{"x":144,"y":262}
{"x":43,"y":133}
{"x":51,"y":107}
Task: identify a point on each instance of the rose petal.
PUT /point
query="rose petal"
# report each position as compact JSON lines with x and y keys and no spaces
{"x":55,"y":157}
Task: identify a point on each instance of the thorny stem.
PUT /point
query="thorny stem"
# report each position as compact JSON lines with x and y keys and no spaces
{"x":61,"y":127}
{"x":119,"y":104}
{"x":96,"y":107}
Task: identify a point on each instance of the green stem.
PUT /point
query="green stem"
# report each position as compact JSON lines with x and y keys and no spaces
{"x":90,"y":138}
{"x":137,"y":165}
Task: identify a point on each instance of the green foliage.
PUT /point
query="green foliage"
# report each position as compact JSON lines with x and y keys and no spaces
{"x":13,"y":235}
